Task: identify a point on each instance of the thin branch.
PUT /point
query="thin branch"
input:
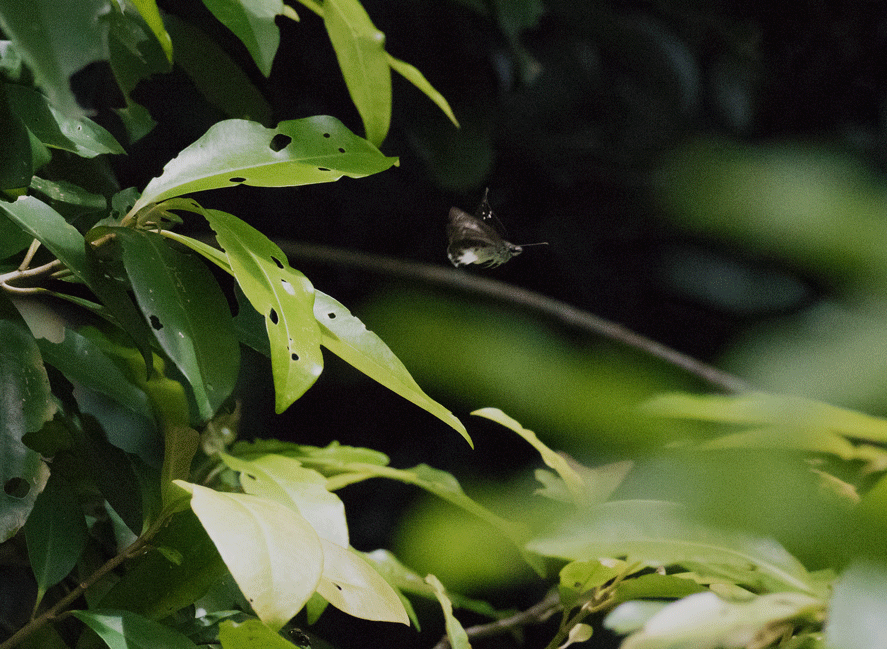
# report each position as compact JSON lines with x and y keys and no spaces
{"x":536,"y":614}
{"x":451,"y":278}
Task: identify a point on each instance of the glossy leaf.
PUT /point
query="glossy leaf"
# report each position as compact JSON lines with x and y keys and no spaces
{"x":658,"y":533}
{"x":156,"y":586}
{"x":188,"y":314}
{"x":56,"y":534}
{"x":858,"y":608}
{"x":360,"y":49}
{"x":238,"y":152}
{"x":22,"y":151}
{"x":273,"y":553}
{"x":12,"y":239}
{"x":455,"y":632}
{"x":25,"y":406}
{"x":349,"y":339}
{"x":126,"y":630}
{"x":284,"y":480}
{"x":50,"y":228}
{"x":352,"y":585}
{"x":56,"y":44}
{"x":250,"y":634}
{"x":252,"y":21}
{"x":285,"y":298}
{"x":557,"y":462}
{"x":331,"y":456}
{"x":53,"y":128}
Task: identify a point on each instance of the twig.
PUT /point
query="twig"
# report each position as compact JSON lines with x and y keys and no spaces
{"x":536,"y":614}
{"x":477,"y":285}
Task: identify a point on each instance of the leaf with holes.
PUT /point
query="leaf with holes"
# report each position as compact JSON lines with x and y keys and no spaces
{"x":352,"y":585}
{"x":349,"y":339}
{"x":272,"y":552}
{"x":187,"y":312}
{"x":239,"y":152}
{"x":285,"y":298}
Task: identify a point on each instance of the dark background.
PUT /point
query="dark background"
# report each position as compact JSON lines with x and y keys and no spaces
{"x":567,"y":110}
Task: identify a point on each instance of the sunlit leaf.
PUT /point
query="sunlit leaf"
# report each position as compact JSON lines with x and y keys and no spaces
{"x":360,"y":49}
{"x":415,"y":77}
{"x":349,"y":339}
{"x":151,"y":14}
{"x":658,"y":533}
{"x":250,"y":634}
{"x":273,"y":553}
{"x":126,"y":630}
{"x":352,"y":585}
{"x":858,"y":608}
{"x":285,"y":298}
{"x":238,"y":152}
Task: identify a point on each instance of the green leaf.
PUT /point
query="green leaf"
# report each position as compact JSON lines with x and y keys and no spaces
{"x":56,"y":534}
{"x":126,"y":630}
{"x":360,"y":49}
{"x":349,"y":339}
{"x":238,"y":152}
{"x":557,"y":462}
{"x":68,"y":199}
{"x":21,"y":150}
{"x":415,"y":77}
{"x":50,"y":228}
{"x":12,"y":239}
{"x":25,"y":406}
{"x":188,"y":314}
{"x":53,"y":128}
{"x":83,"y":361}
{"x":252,"y":21}
{"x":352,"y":585}
{"x":284,"y":480}
{"x":858,"y":608}
{"x":579,"y":577}
{"x":455,"y":633}
{"x":285,"y":298}
{"x":218,"y":78}
{"x":149,"y":11}
{"x":154,"y":585}
{"x":659,"y":533}
{"x":272,"y":552}
{"x":332,"y":456}
{"x":56,"y":44}
{"x":250,"y":634}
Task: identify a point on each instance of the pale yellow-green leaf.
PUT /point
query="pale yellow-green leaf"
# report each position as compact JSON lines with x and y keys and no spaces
{"x":250,"y":634}
{"x":455,"y":632}
{"x":273,"y":553}
{"x":283,"y":479}
{"x":352,"y":585}
{"x":415,"y":77}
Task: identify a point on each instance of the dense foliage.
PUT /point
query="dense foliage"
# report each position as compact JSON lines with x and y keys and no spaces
{"x":133,"y":513}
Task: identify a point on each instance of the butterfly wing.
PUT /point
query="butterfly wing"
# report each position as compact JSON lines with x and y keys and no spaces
{"x":474,"y":241}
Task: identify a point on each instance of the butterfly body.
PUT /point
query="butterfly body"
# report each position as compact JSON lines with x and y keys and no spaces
{"x":474,"y":240}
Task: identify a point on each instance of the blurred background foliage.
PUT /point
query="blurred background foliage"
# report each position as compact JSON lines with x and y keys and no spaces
{"x":708,"y":174}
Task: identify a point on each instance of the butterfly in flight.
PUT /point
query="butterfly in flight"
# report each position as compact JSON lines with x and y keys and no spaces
{"x":477,"y":239}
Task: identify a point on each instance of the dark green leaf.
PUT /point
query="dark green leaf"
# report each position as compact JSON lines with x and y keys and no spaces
{"x":188,"y":314}
{"x":126,"y":630}
{"x":25,"y":405}
{"x":252,"y":21}
{"x":20,"y":156}
{"x":55,"y":532}
{"x":12,"y":238}
{"x":56,"y":44}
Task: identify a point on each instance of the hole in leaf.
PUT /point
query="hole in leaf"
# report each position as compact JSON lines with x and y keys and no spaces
{"x":237,"y":179}
{"x":16,"y":487}
{"x":341,"y":150}
{"x":331,"y":315}
{"x":288,"y":287}
{"x":277,"y":262}
{"x":337,"y":586}
{"x":273,"y":316}
{"x":250,"y":476}
{"x":279,"y":142}
{"x":294,"y":356}
{"x":155,"y":323}
{"x":326,"y":134}
{"x":322,"y":169}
